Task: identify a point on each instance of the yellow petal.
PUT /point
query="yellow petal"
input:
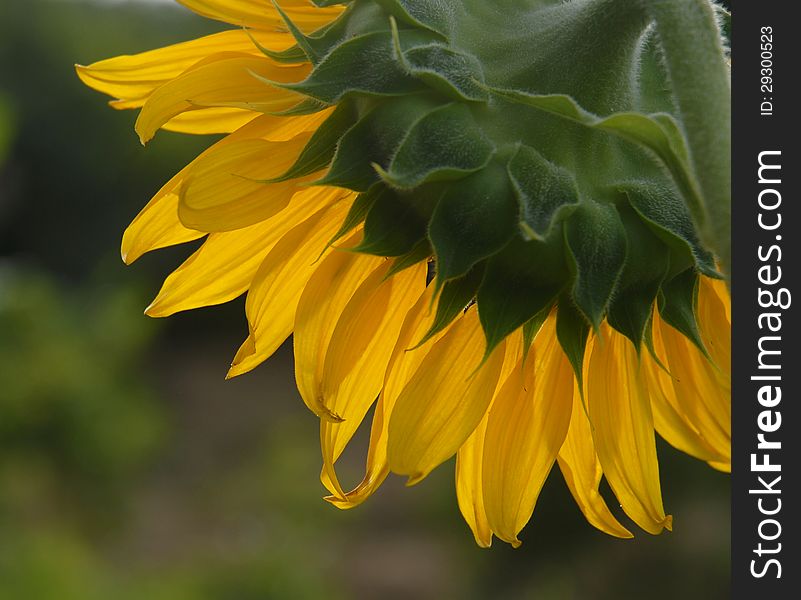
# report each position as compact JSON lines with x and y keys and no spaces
{"x":582,"y":471}
{"x":225,"y":265}
{"x":325,"y":296}
{"x":698,"y":389}
{"x":261,"y":14}
{"x":714,"y":323}
{"x":402,"y":365}
{"x":623,"y":429}
{"x":469,"y":458}
{"x":158,"y":226}
{"x":277,"y":285}
{"x":357,"y":356}
{"x":527,"y":424}
{"x":224,"y":79}
{"x":717,"y":287}
{"x":226,"y":190}
{"x":469,"y":492}
{"x":444,"y":401}
{"x":210,"y":120}
{"x":132,"y":78}
{"x":671,"y":420}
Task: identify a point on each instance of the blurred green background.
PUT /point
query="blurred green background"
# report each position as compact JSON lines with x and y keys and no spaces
{"x":130,"y":469}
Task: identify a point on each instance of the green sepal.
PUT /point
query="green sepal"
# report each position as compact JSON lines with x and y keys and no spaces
{"x":422,"y":251}
{"x":448,"y":71}
{"x":433,"y":15}
{"x":373,"y":140}
{"x":543,"y":190}
{"x":351,"y":22}
{"x":648,"y":340}
{"x":300,"y":38}
{"x":444,"y":144}
{"x":678,"y":299}
{"x":307,"y":106}
{"x":475,"y":218}
{"x":658,"y":133}
{"x":521,"y":280}
{"x":396,"y":222}
{"x":532,"y":327}
{"x":357,"y":213}
{"x":291,"y":55}
{"x":455,"y":296}
{"x":663,"y":210}
{"x":365,"y":64}
{"x":320,"y":149}
{"x":597,"y":243}
{"x":572,"y":331}
{"x":646,"y":267}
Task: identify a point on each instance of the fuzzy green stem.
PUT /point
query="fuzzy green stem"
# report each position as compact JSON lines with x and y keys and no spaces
{"x":699,"y":76}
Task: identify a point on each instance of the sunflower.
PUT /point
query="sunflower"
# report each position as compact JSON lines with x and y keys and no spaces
{"x":498,"y":224}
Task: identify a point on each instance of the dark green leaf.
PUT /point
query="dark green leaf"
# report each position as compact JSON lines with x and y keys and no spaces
{"x":454,"y":298}
{"x":542,"y":189}
{"x":373,"y":140}
{"x":422,"y":251}
{"x":572,"y":331}
{"x":677,"y":305}
{"x":396,"y":223}
{"x":521,"y":280}
{"x":646,"y":267}
{"x":323,"y":144}
{"x":476,"y":217}
{"x":532,"y":327}
{"x":357,"y":213}
{"x":597,"y":242}
{"x":662,"y":209}
{"x":444,"y":144}
{"x":364,"y":64}
{"x":300,"y":38}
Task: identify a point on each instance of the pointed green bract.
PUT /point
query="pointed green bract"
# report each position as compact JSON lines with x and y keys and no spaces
{"x":660,"y":207}
{"x":475,"y":218}
{"x":357,"y":212}
{"x":307,"y":106}
{"x":597,"y":243}
{"x":572,"y":331}
{"x":450,"y":72}
{"x":444,"y":144}
{"x":520,"y":281}
{"x":395,"y":223}
{"x":421,"y":252}
{"x":373,"y":141}
{"x":646,"y":268}
{"x":542,"y":189}
{"x":677,"y":306}
{"x":371,"y":66}
{"x":532,"y":327}
{"x":455,"y":296}
{"x":319,"y":151}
